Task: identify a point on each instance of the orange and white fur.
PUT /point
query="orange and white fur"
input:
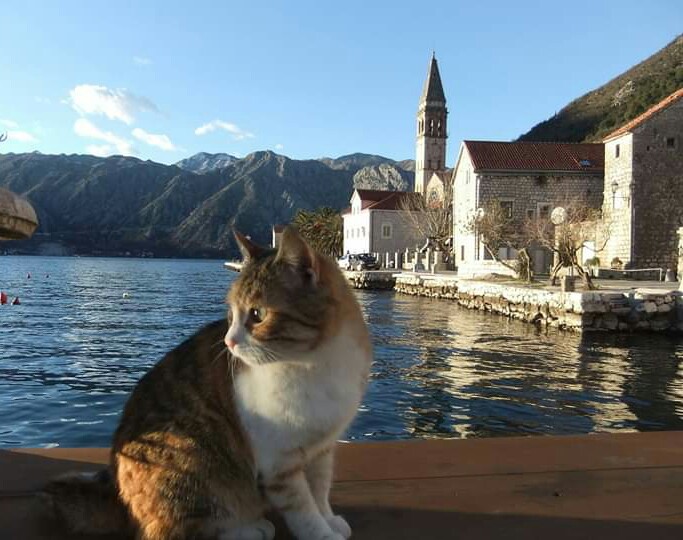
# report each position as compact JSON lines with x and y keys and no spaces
{"x":208,"y":442}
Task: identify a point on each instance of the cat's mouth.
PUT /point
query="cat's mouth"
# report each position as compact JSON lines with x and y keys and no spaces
{"x":252,"y":356}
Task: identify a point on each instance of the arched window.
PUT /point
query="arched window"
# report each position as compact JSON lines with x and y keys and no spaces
{"x":438,"y":128}
{"x":431,"y":127}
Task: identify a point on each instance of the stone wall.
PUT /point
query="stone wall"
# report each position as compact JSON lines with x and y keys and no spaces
{"x":617,"y":200}
{"x":528,"y":192}
{"x":371,"y":280}
{"x":658,"y":188}
{"x":578,"y":311}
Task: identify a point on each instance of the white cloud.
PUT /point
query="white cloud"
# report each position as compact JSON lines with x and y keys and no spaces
{"x":279,"y":146}
{"x":160,"y":140}
{"x":8,"y":123}
{"x":21,"y":136}
{"x":141,"y":61}
{"x":237,"y":133}
{"x":100,"y":150}
{"x":115,"y":104}
{"x":85,"y":128}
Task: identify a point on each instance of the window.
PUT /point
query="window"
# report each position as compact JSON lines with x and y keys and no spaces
{"x":352,"y":235}
{"x":530,"y":213}
{"x":462,"y":253}
{"x":616,"y":151}
{"x":543,"y":210}
{"x":362,"y":232}
{"x":671,"y":142}
{"x":506,"y":207}
{"x":386,"y":230}
{"x":585,"y":162}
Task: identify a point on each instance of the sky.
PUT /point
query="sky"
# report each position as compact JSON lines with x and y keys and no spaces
{"x":307,"y":79}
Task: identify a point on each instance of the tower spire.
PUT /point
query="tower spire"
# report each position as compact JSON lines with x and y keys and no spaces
{"x":431,"y":130}
{"x":433,"y":89}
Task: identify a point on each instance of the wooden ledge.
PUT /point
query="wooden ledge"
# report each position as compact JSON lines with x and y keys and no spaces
{"x":596,"y":486}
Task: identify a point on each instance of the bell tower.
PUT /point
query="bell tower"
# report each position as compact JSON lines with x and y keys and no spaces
{"x":431,"y":129}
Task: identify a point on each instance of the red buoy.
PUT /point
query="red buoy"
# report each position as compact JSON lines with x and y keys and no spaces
{"x":3,"y":298}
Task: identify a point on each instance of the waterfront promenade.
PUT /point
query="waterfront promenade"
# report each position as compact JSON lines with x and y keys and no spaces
{"x":625,"y":486}
{"x":615,"y":305}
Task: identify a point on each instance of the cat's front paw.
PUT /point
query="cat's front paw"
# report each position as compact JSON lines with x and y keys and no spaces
{"x":339,"y":525}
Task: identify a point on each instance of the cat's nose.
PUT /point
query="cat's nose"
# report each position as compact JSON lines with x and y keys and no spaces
{"x":230,"y":342}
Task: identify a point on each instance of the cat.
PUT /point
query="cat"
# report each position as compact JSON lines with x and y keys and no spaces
{"x":210,"y":439}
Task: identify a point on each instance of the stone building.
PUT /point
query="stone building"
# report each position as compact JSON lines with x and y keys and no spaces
{"x":431,"y":174}
{"x":528,"y":179}
{"x":643,"y":187}
{"x":375,"y":222}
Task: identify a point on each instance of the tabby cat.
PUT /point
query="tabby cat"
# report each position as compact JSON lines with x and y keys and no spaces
{"x":210,"y":438}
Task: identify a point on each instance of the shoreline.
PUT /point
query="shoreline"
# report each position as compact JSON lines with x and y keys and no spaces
{"x":649,"y":306}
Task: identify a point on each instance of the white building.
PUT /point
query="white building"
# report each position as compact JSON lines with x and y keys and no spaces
{"x":375,"y":222}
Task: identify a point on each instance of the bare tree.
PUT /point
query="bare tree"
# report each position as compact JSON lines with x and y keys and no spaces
{"x":430,"y":218}
{"x":566,"y":232}
{"x":497,"y":229}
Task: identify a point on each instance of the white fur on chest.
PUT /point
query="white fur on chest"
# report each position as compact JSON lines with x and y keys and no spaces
{"x":285,"y":406}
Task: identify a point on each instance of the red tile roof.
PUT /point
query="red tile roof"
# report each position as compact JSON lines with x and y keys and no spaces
{"x":383,"y":200}
{"x":536,"y":156}
{"x":630,"y":126}
{"x":395,"y":200}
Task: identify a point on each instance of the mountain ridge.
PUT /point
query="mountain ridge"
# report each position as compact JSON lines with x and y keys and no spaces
{"x":119,"y":205}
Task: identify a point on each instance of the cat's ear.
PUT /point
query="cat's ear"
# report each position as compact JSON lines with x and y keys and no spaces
{"x":248,"y":249}
{"x":296,"y":252}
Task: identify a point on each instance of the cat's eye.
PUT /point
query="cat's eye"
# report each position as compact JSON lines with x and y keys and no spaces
{"x":257,"y":314}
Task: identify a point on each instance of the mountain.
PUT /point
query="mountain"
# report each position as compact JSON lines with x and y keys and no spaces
{"x":203,"y":162}
{"x":385,"y":176}
{"x":597,"y":113}
{"x":118,"y":205}
{"x":355,"y":161}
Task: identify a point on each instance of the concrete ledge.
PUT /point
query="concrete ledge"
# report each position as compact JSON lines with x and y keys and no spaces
{"x":643,"y":309}
{"x":371,"y":279}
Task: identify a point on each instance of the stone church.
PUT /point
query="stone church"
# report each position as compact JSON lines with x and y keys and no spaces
{"x":375,"y":222}
{"x":431,"y":174}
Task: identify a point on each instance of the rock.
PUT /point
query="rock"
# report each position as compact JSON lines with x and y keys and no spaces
{"x":660,"y":324}
{"x":594,"y":307}
{"x":650,"y":307}
{"x":609,"y":321}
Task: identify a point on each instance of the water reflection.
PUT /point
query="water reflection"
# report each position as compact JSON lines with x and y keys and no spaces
{"x":469,"y":374}
{"x":75,"y":347}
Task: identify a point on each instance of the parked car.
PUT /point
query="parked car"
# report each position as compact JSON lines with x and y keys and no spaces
{"x":358,"y":261}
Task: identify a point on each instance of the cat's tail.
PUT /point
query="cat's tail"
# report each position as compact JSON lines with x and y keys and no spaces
{"x":86,"y":503}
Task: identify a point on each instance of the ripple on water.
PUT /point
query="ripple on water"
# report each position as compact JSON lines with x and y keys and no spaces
{"x":77,"y":348}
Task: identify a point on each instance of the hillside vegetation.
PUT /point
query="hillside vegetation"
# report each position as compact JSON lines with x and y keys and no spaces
{"x":597,"y":113}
